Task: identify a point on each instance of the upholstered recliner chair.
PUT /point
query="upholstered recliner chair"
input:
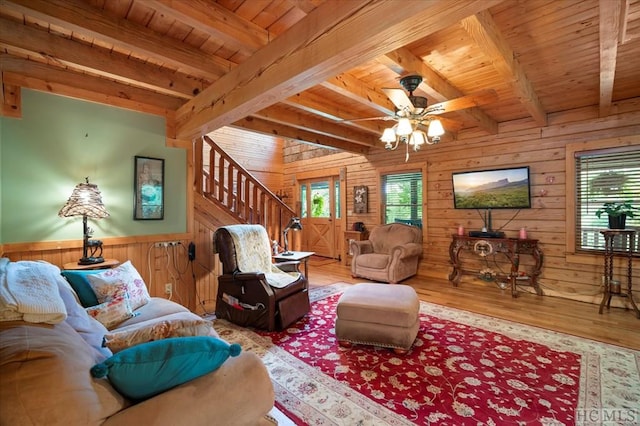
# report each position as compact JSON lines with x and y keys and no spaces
{"x":252,"y":291}
{"x":391,"y":254}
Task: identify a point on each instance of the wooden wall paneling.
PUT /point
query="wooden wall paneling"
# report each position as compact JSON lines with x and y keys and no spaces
{"x":151,"y":262}
{"x":206,"y":289}
{"x":206,"y":269}
{"x":543,"y":149}
{"x":203,"y":240}
{"x":260,"y":154}
{"x":517,"y":143}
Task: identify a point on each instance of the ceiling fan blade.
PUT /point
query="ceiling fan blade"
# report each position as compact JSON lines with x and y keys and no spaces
{"x":383,"y":118}
{"x":399,"y":99}
{"x":450,"y":126}
{"x":482,"y":97}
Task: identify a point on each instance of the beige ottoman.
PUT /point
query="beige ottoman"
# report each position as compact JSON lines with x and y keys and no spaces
{"x":378,"y":314}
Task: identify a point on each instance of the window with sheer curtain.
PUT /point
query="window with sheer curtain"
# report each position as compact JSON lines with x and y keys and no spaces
{"x":402,"y":198}
{"x":606,"y":175}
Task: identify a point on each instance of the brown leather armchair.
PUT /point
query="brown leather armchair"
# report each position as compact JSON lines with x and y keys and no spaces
{"x":391,"y":254}
{"x":269,"y":297}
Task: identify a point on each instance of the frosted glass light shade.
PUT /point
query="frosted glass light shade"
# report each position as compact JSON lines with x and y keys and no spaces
{"x":417,"y":138}
{"x":435,"y":128}
{"x":389,"y":135}
{"x":404,"y":127}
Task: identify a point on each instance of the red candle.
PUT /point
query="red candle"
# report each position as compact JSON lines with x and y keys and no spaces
{"x":523,"y":234}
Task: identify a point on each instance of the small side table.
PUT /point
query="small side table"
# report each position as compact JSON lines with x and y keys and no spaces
{"x":627,"y":236}
{"x":301,"y":256}
{"x":108,"y":263}
{"x":348,"y":237}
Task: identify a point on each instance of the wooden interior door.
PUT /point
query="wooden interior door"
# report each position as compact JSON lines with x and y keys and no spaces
{"x":318,"y":198}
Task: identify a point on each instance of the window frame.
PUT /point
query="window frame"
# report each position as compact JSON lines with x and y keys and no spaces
{"x":407,"y":168}
{"x":573,"y":254}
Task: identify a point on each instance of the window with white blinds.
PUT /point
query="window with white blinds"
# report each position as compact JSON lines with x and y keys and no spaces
{"x":402,"y":198}
{"x":609,"y":175}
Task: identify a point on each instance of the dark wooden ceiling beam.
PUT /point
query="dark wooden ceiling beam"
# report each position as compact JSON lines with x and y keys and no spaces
{"x":217,"y":21}
{"x":482,"y":28}
{"x":329,"y":109}
{"x":348,"y":86}
{"x":275,"y":129}
{"x":305,"y":5}
{"x":279,"y":114}
{"x":333,"y":38}
{"x":85,"y":19}
{"x":609,"y":38}
{"x":96,"y":60}
{"x":49,"y":79}
{"x":623,"y":35}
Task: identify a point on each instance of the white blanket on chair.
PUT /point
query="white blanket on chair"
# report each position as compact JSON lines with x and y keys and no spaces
{"x":29,"y":292}
{"x":253,"y":254}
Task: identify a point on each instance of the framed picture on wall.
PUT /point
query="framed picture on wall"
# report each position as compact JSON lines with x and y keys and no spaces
{"x":360,"y":199}
{"x":148,"y":188}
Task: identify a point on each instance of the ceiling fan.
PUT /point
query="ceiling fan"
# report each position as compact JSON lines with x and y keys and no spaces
{"x":415,"y":107}
{"x":413,"y":114}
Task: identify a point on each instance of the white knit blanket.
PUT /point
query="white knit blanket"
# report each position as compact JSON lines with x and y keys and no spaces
{"x":253,"y":254}
{"x":29,"y":292}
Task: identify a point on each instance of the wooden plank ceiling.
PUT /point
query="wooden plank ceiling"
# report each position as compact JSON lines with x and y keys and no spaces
{"x":299,"y":68}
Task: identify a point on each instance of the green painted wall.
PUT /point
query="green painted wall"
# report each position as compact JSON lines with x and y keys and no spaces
{"x":56,"y":144}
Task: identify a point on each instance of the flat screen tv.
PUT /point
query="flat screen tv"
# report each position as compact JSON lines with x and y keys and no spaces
{"x":492,"y":189}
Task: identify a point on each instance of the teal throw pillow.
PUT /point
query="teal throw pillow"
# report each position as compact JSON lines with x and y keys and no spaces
{"x":145,"y":370}
{"x":80,"y":284}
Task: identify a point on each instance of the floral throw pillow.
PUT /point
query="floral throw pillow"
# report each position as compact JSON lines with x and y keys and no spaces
{"x":181,"y":324}
{"x":105,"y":285}
{"x":114,"y":311}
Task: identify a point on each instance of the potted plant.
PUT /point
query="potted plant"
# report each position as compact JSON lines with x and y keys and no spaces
{"x":618,"y":211}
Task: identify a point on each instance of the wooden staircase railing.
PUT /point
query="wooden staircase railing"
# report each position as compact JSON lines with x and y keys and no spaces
{"x":229,"y":186}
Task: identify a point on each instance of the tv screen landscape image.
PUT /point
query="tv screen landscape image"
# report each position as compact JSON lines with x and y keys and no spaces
{"x":492,"y":189}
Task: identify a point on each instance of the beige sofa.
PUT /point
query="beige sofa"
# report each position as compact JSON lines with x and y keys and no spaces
{"x":45,"y":378}
{"x":390,"y":255}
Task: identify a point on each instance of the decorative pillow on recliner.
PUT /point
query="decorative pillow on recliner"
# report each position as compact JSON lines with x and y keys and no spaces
{"x":80,"y":284}
{"x":114,"y":311}
{"x":148,"y":369}
{"x":180,"y":324}
{"x":104,"y":284}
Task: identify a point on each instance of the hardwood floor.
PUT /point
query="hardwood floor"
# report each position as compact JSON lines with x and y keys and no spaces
{"x":616,"y":326}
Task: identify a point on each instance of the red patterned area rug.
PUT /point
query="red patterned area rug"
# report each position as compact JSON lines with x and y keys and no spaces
{"x":464,"y":369}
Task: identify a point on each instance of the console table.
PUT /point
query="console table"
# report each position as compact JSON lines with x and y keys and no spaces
{"x":511,"y":248}
{"x":627,"y":241}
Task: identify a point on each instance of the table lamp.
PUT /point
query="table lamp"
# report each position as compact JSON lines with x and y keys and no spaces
{"x":86,"y":201}
{"x":294,"y":223}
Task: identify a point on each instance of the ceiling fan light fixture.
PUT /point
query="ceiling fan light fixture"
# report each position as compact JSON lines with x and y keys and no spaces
{"x":435,"y":129}
{"x":392,"y":136}
{"x":419,"y":104}
{"x":413,"y":115}
{"x":404,"y":127}
{"x":411,"y":82}
{"x":389,"y":135}
{"x":417,"y":138}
